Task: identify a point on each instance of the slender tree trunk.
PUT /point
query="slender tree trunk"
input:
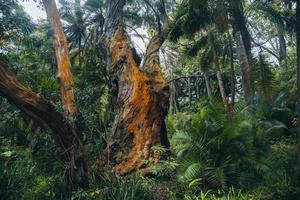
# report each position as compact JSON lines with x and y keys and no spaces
{"x":222,"y":88}
{"x":282,"y":43}
{"x":63,"y":59}
{"x":243,"y":41}
{"x":207,"y":83}
{"x":79,"y":53}
{"x":246,"y":68}
{"x":46,"y":115}
{"x":232,"y":75}
{"x":190,"y":92}
{"x":298,"y":83}
{"x":173,"y":96}
{"x":219,"y":74}
{"x":239,"y":25}
{"x":141,"y":98}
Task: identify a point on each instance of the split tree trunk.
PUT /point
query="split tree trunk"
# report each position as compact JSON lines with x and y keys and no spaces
{"x":64,"y":74}
{"x":46,"y":115}
{"x":141,"y":98}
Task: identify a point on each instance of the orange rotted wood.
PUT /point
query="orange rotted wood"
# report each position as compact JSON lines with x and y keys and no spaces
{"x":63,"y":59}
{"x":142,"y":99}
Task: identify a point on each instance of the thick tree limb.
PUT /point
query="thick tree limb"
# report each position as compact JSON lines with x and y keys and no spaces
{"x":151,"y":60}
{"x":266,"y":49}
{"x":46,"y":115}
{"x":64,"y":75}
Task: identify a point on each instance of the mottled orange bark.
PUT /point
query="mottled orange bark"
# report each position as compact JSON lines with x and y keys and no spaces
{"x":63,"y":59}
{"x":140,"y":96}
{"x":142,"y":99}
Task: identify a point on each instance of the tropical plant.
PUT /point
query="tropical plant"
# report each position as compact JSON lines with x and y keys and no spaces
{"x":211,"y":149}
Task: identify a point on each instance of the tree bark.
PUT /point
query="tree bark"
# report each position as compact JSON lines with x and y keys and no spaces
{"x":207,"y":83}
{"x":239,"y":25}
{"x":282,"y":43}
{"x":232,"y":74}
{"x":47,"y":116}
{"x":246,"y":68}
{"x":243,"y":41}
{"x":298,"y":84}
{"x":64,"y":75}
{"x":173,"y":95}
{"x":190,"y":92}
{"x":141,"y":98}
{"x":219,"y":74}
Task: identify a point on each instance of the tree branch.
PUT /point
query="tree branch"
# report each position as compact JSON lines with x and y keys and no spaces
{"x":184,"y":77}
{"x":151,"y":60}
{"x":265,"y":48}
{"x":45,"y":114}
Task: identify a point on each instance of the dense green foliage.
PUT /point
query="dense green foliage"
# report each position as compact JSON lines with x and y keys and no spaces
{"x":249,"y":154}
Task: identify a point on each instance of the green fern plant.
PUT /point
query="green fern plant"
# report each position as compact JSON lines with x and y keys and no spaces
{"x":210,"y":148}
{"x":265,"y":79}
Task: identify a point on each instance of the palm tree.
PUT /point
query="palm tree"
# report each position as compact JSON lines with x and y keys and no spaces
{"x":189,"y":21}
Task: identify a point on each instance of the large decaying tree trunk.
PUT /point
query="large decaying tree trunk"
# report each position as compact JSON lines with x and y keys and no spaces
{"x":140,"y":96}
{"x":47,"y":116}
{"x":63,"y":59}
